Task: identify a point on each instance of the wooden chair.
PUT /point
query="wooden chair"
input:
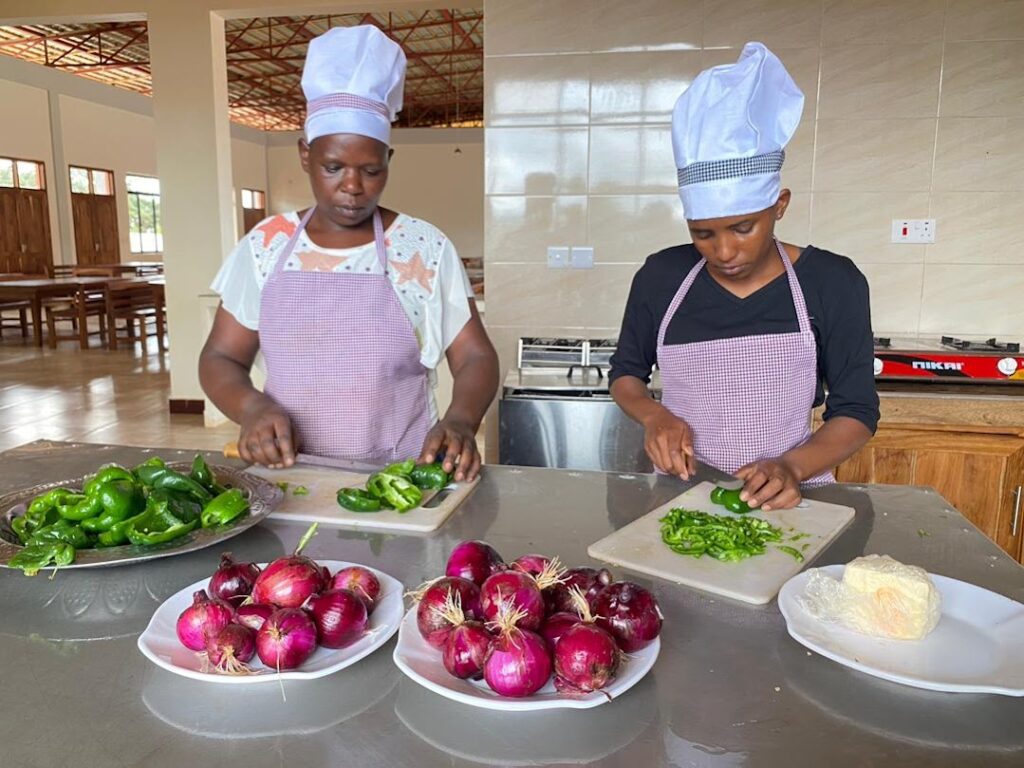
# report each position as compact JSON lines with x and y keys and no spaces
{"x":96,"y":271}
{"x":21,"y":321}
{"x":135,"y":302}
{"x":83,"y":305}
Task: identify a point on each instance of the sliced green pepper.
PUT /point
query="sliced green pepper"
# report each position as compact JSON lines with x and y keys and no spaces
{"x":147,"y":469}
{"x":224,"y":508}
{"x":400,"y":468}
{"x":121,"y":499}
{"x":203,"y":475}
{"x":429,"y":477}
{"x":61,"y":531}
{"x":38,"y":556}
{"x":394,"y":490}
{"x":20,"y":527}
{"x":358,"y":500}
{"x":50,"y":500}
{"x":168,"y":479}
{"x":118,"y":533}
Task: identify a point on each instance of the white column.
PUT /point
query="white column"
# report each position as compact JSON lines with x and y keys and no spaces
{"x":193,"y":142}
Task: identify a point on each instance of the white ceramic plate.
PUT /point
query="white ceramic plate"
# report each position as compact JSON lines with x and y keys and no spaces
{"x":416,"y":658}
{"x":977,"y":647}
{"x":159,"y":642}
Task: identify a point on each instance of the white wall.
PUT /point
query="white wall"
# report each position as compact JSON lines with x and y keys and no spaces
{"x":25,"y":134}
{"x":428,"y":179}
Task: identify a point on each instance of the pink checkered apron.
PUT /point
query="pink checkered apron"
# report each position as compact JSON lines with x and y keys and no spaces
{"x":747,"y":398}
{"x":343,"y":360}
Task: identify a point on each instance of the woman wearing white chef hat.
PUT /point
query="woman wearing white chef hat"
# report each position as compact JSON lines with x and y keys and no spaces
{"x":748,"y":333}
{"x":351,"y":304}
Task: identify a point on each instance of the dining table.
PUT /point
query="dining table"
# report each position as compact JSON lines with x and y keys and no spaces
{"x":39,"y":290}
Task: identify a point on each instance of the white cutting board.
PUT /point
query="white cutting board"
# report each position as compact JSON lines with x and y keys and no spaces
{"x":639,"y":547}
{"x":321,"y":504}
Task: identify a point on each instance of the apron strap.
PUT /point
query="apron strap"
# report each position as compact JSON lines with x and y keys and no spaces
{"x":678,"y":299}
{"x":287,"y":252}
{"x":378,"y":240}
{"x":802,"y":318}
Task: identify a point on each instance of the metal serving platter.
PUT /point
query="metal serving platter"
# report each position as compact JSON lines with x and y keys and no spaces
{"x":263,"y":496}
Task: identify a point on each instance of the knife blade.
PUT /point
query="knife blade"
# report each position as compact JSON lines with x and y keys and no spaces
{"x":351,"y":465}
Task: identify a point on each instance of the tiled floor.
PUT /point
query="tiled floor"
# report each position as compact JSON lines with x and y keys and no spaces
{"x":95,"y":396}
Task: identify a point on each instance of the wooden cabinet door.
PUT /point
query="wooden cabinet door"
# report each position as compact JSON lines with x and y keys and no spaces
{"x":34,"y":227}
{"x":1010,"y":520}
{"x":252,"y":216}
{"x":971,"y":482}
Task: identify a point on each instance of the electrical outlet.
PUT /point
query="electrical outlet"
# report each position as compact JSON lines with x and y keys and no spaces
{"x":558,"y":257}
{"x":581,"y":257}
{"x":913,"y":230}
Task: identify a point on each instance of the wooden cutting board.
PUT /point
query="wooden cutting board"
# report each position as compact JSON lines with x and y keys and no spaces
{"x":321,"y":504}
{"x":639,"y":547}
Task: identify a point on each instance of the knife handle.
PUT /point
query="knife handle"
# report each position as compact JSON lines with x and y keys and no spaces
{"x":231,"y":450}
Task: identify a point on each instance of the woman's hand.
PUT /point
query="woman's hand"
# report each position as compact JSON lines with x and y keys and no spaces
{"x":266,"y":436}
{"x":669,"y":443}
{"x":453,"y":443}
{"x":769,"y":484}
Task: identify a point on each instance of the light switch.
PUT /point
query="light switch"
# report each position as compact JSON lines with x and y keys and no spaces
{"x":913,"y":230}
{"x":582,"y":257}
{"x":558,"y":257}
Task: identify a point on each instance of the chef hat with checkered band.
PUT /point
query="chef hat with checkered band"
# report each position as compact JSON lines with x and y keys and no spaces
{"x":729,"y":133}
{"x":353,"y":80}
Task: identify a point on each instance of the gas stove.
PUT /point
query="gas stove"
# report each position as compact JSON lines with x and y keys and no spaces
{"x":949,"y":360}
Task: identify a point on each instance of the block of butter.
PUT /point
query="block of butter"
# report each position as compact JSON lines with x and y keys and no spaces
{"x":878,"y":596}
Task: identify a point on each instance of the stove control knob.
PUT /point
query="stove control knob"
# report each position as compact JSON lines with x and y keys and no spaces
{"x":1007,"y":366}
{"x":878,"y":367}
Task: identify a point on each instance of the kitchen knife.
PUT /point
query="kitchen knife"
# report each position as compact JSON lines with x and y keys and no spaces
{"x":361,"y":466}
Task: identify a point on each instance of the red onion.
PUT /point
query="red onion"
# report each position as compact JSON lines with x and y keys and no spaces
{"x":516,"y":588}
{"x":340,"y":617}
{"x":360,"y":580}
{"x":586,"y":656}
{"x":629,"y":613}
{"x":205,"y":617}
{"x":252,"y":615}
{"x":233,"y":581}
{"x":466,"y":649}
{"x":534,"y":565}
{"x":474,"y":560}
{"x":431,"y":617}
{"x":231,"y":648}
{"x":289,"y":581}
{"x":591,"y":581}
{"x":518,"y":662}
{"x":287,"y":639}
{"x":555,"y":624}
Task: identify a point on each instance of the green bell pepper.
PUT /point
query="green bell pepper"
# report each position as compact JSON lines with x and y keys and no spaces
{"x":61,"y":531}
{"x":203,"y":475}
{"x":730,"y":499}
{"x":105,"y":475}
{"x":224,"y":508}
{"x":358,"y":500}
{"x":394,"y":490}
{"x":121,"y":499}
{"x":34,"y":558}
{"x":20,"y":527}
{"x":117,"y":534}
{"x":50,"y":500}
{"x":80,"y":507}
{"x":144,"y":471}
{"x":429,"y":477}
{"x":169,"y":480}
{"x":156,"y":525}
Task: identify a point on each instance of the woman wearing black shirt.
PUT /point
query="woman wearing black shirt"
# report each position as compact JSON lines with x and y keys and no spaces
{"x":748,"y":333}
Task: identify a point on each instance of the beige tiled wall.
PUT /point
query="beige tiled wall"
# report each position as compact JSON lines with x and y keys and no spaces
{"x":914,"y":109}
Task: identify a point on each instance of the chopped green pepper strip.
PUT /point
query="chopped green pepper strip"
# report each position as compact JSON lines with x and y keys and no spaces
{"x":795,"y":553}
{"x":38,"y":556}
{"x":358,"y":500}
{"x":283,"y":485}
{"x":300,"y":490}
{"x":725,"y":538}
{"x":224,"y":508}
{"x":395,"y":491}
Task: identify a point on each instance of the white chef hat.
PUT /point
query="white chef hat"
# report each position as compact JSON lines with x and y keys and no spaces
{"x":729,"y":132}
{"x":353,"y":80}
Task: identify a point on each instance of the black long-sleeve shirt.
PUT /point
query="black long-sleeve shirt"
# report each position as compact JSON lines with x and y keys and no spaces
{"x":836,"y":294}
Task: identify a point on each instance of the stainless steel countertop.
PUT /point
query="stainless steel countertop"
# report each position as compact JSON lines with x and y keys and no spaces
{"x":729,"y":689}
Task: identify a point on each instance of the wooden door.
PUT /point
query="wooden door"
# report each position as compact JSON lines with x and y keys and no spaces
{"x":252,"y":216}
{"x":1010,"y":521}
{"x":95,"y":224}
{"x":86,"y":247}
{"x":10,"y":236}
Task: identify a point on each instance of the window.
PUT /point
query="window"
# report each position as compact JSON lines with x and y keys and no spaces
{"x":145,"y":232}
{"x":23,"y":174}
{"x":253,"y":199}
{"x":91,"y":181}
